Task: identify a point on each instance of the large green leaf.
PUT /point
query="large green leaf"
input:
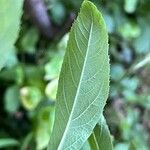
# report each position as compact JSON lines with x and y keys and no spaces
{"x":84,"y":81}
{"x":10,"y":13}
{"x":100,"y":138}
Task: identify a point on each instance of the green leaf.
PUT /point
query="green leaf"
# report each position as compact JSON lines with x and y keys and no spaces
{"x":8,"y":142}
{"x":53,"y":67}
{"x":45,"y":120}
{"x":30,"y":97}
{"x":10,"y":14}
{"x":12,"y":100}
{"x":100,"y":138}
{"x":51,"y":89}
{"x":130,"y":5}
{"x":129,"y":30}
{"x":132,"y":146}
{"x":26,"y":141}
{"x":29,"y":41}
{"x":84,"y":81}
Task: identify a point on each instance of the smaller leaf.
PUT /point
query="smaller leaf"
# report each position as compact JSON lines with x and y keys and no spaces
{"x":53,"y":67}
{"x":101,"y":139}
{"x":30,"y":97}
{"x":45,"y":120}
{"x":8,"y":142}
{"x":130,"y":5}
{"x":51,"y":89}
{"x":130,"y":30}
{"x":132,"y":146}
{"x":26,"y":141}
{"x":12,"y":99}
{"x":29,"y":40}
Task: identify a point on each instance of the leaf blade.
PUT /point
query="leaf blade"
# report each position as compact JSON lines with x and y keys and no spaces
{"x":132,"y":146}
{"x":8,"y":142}
{"x":10,"y":14}
{"x":87,"y":47}
{"x":101,"y":138}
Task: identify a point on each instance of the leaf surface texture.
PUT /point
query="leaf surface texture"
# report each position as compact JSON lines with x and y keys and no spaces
{"x":84,"y":81}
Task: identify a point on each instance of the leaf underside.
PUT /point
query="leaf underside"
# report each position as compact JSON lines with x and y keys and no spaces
{"x":84,"y":81}
{"x":10,"y":14}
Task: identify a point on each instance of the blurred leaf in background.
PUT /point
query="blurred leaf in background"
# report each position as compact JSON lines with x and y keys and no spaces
{"x":12,"y":99}
{"x":4,"y":143}
{"x":9,"y":28}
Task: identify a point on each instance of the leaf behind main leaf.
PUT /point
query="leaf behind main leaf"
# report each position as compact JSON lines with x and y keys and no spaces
{"x":100,"y":138}
{"x":84,"y":81}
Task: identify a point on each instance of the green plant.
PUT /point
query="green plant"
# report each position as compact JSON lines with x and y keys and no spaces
{"x":83,"y":82}
{"x":32,"y":50}
{"x":83,"y":85}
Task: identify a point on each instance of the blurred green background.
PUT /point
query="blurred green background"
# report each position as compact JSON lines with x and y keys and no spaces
{"x":28,"y":83}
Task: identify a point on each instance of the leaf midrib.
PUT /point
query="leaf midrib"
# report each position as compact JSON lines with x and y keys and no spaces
{"x":78,"y":89}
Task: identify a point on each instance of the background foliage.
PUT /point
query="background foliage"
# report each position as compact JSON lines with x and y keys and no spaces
{"x":28,"y":82}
